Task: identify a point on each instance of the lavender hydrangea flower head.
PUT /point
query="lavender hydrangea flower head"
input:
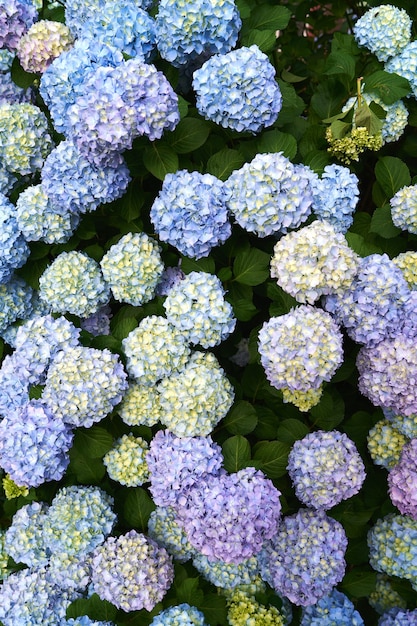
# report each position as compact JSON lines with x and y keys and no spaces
{"x":180,"y":614}
{"x":98,"y":323}
{"x":404,"y":208}
{"x":176,"y":463}
{"x":154,"y":350}
{"x":131,"y":571}
{"x":14,"y":250}
{"x":24,"y":540}
{"x":398,"y":617}
{"x":385,"y":30}
{"x":16,"y":17}
{"x":195,"y":399}
{"x":163,"y":527}
{"x":84,"y":384}
{"x":270,"y":195}
{"x":385,"y":444}
{"x":211,"y":514}
{"x":188,"y":31}
{"x":42,"y":43}
{"x":190,"y":213}
{"x":402,"y":481}
{"x":16,"y":301}
{"x":170,"y":277}
{"x":126,"y":461}
{"x":306,"y":557}
{"x":335,"y":196}
{"x":384,"y":596}
{"x":140,"y":406}
{"x":197,"y":308}
{"x":313,"y":261}
{"x":14,"y":384}
{"x":407,"y":262}
{"x":335,"y":608}
{"x":70,"y":571}
{"x":301,"y":349}
{"x":392,"y":545}
{"x":78,"y":520}
{"x":238,"y":90}
{"x":132,"y":267}
{"x":73,"y":283}
{"x":325,"y":468}
{"x":243,"y":608}
{"x":34,"y":445}
{"x":10,"y":93}
{"x":371,"y":306}
{"x":227,"y":575}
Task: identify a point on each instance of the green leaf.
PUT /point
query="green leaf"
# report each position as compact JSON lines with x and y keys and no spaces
{"x":317,"y":160}
{"x":206,"y":264}
{"x":290,"y":430}
{"x":251,"y":267}
{"x":264,"y":39}
{"x":20,"y":77}
{"x":189,"y":134}
{"x":86,"y":470}
{"x":123,"y":327}
{"x":340,"y":63}
{"x":329,"y":412}
{"x":382,"y":223}
{"x":364,"y":116}
{"x":160,"y":159}
{"x":94,"y":442}
{"x":224,"y":162}
{"x":93,"y":607}
{"x":389,"y":87}
{"x":329,"y":99}
{"x":392,"y":174}
{"x":360,"y":245}
{"x":240,"y":297}
{"x":188,"y":591}
{"x":276,"y":141}
{"x":242,"y":418}
{"x":267,"y":423}
{"x":137,"y":508}
{"x":269,"y":17}
{"x":282,"y":302}
{"x":132,"y":201}
{"x":214,"y":608}
{"x":273,"y":456}
{"x":359,"y":583}
{"x":289,"y":77}
{"x":236,"y":453}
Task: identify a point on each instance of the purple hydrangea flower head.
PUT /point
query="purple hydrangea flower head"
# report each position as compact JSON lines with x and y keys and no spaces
{"x":238,"y":90}
{"x":270,"y":195}
{"x":392,"y":545}
{"x":301,"y":349}
{"x":176,"y":463}
{"x":402,"y":481}
{"x":40,"y":220}
{"x":385,"y":30}
{"x":164,"y":528}
{"x":197,"y":308}
{"x":25,"y":141}
{"x":34,"y":445}
{"x":132,"y":267}
{"x":10,"y":93}
{"x":384,"y":597}
{"x":14,"y":384}
{"x":140,"y":406}
{"x":24,"y":540}
{"x":313,"y":261}
{"x":336,"y":195}
{"x":371,"y":306}
{"x":227,"y":575}
{"x":73,"y":283}
{"x":385,"y":444}
{"x":131,"y":571}
{"x":170,"y":277}
{"x":404,"y":208}
{"x":306,"y":557}
{"x":98,"y":323}
{"x":42,"y":43}
{"x":325,"y":468}
{"x":180,"y":614}
{"x":211,"y":514}
{"x":75,"y":185}
{"x":334,"y":608}
{"x":196,"y":398}
{"x":78,"y":520}
{"x":14,"y":251}
{"x":387,"y":372}
{"x":16,"y":17}
{"x":84,"y":384}
{"x":29,"y":597}
{"x":16,"y":301}
{"x":188,"y":31}
{"x":154,"y":350}
{"x":398,"y":617}
{"x":190,"y":213}
{"x":126,"y":461}
{"x":405,"y":64}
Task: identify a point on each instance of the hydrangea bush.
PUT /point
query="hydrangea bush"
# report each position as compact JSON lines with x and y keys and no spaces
{"x":208,"y":313}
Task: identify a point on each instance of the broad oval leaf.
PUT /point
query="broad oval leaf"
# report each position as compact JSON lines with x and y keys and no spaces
{"x":236,"y":453}
{"x":241,"y":419}
{"x":251,"y":267}
{"x":160,"y":159}
{"x":190,"y":134}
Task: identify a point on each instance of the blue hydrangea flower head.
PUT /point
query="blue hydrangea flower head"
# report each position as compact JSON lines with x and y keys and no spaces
{"x":404,"y":208}
{"x":24,"y":540}
{"x":14,"y":251}
{"x":132,"y":267}
{"x":16,"y":17}
{"x":188,"y":31}
{"x":7,"y":181}
{"x":238,"y":90}
{"x":405,"y":424}
{"x":398,"y":617}
{"x":190,"y":213}
{"x":392,"y":545}
{"x":306,"y":557}
{"x":196,"y":398}
{"x":176,"y":463}
{"x":163,"y":527}
{"x":227,"y":575}
{"x":301,"y":349}
{"x":180,"y":615}
{"x":211,"y":514}
{"x":270,"y":195}
{"x":131,"y":571}
{"x":401,"y":479}
{"x":126,"y":461}
{"x":140,"y":405}
{"x":385,"y":30}
{"x":385,"y":443}
{"x":6,"y":60}
{"x":154,"y":350}
{"x":335,"y":608}
{"x":84,"y":384}
{"x":335,"y":196}
{"x":14,"y":384}
{"x":34,"y":445}
{"x":42,"y":43}
{"x":197,"y":308}
{"x":10,"y":93}
{"x":73,"y":283}
{"x":84,"y":620}
{"x":16,"y":301}
{"x":70,"y":571}
{"x":405,"y":64}
{"x":77,"y":12}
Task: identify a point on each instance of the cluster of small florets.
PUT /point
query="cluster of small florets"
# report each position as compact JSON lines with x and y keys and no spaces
{"x":301,"y":349}
{"x":270,"y":195}
{"x":187,"y":32}
{"x":396,"y":115}
{"x":10,"y":93}
{"x":25,"y":141}
{"x":385,"y":30}
{"x":7,"y":180}
{"x":126,"y":461}
{"x":335,"y":608}
{"x":132,"y":267}
{"x":16,"y":17}
{"x":313,"y":261}
{"x":140,"y":406}
{"x":14,"y":250}
{"x":190,"y":213}
{"x":385,"y":444}
{"x":73,"y":283}
{"x":170,"y":277}
{"x":14,"y":385}
{"x":244,"y":609}
{"x":154,"y":350}
{"x":77,"y":12}
{"x":305,"y":558}
{"x":238,"y":90}
{"x":405,"y":64}
{"x":406,"y":424}
{"x":398,"y":617}
{"x":44,"y":41}
{"x":303,"y":400}
{"x":325,"y":468}
{"x":163,"y":527}
{"x":17,"y":301}
{"x":227,"y":575}
{"x":131,"y":571}
{"x":384,"y":596}
{"x":196,"y":398}
{"x":84,"y":384}
{"x":404,"y":208}
{"x":98,"y":323}
{"x":84,"y":620}
{"x":351,"y":146}
{"x":407,"y":262}
{"x":393,"y":546}
{"x":178,"y":615}
{"x":401,"y":480}
{"x":335,"y":196}
{"x":23,"y":540}
{"x":197,"y":308}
